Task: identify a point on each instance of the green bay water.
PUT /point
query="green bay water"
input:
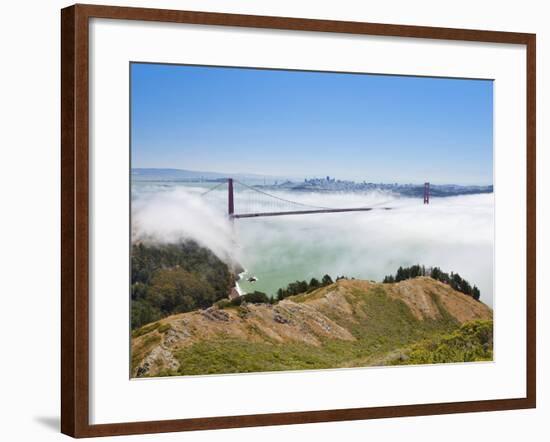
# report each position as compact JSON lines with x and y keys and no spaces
{"x":278,"y":251}
{"x":282,"y":261}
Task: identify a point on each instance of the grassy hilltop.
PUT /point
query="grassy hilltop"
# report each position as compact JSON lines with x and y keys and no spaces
{"x":348,"y":323}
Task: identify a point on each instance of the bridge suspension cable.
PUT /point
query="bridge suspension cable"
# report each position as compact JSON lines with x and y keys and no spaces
{"x":283,"y":199}
{"x":223,"y":183}
{"x":276,"y":205}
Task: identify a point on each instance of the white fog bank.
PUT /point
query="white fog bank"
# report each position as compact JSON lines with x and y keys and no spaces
{"x":170,"y":216}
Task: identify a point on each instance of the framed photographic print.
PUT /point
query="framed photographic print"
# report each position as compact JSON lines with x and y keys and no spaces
{"x":307,"y":220}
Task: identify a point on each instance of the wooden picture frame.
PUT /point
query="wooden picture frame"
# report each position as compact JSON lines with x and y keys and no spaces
{"x":75,"y":219}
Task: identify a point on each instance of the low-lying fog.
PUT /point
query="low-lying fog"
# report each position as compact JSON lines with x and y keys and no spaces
{"x":455,"y":234}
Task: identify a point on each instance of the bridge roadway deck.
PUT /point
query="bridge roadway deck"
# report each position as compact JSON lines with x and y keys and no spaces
{"x":306,"y":212}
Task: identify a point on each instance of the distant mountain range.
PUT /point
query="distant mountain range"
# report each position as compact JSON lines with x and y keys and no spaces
{"x":152,"y":174}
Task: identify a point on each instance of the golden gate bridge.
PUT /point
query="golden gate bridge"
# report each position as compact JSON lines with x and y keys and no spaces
{"x":260,"y":203}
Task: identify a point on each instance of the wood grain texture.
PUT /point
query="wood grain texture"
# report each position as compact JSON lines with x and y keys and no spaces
{"x":68,"y":343}
{"x":75,"y":219}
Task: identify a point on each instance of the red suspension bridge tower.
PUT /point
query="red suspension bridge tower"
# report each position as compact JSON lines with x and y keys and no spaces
{"x":426,"y":193}
{"x":230,"y":200}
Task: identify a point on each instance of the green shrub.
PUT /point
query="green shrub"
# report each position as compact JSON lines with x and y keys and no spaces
{"x":145,"y":329}
{"x":254,"y":298}
{"x":473,"y":341}
{"x":223,"y":303}
{"x":164,"y":328}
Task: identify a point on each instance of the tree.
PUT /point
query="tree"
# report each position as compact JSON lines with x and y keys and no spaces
{"x":256,"y":297}
{"x":436,"y":273}
{"x":314,"y":284}
{"x":143,"y":312}
{"x":415,"y":271}
{"x":400,"y":275}
{"x":327,"y":280}
{"x":176,"y":291}
{"x":139,"y":290}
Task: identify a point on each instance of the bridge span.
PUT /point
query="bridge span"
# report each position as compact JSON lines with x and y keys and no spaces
{"x":307,"y":212}
{"x":284,"y":207}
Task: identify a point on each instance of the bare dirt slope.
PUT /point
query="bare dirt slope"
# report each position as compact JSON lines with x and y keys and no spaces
{"x":344,"y":312}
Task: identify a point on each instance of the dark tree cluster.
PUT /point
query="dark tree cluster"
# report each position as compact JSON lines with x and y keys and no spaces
{"x":453,"y":279}
{"x":175,"y":278}
{"x":255,"y":297}
{"x":297,"y":287}
{"x":404,"y":273}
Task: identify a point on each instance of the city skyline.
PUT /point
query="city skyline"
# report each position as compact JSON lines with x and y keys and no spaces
{"x":358,"y":127}
{"x":204,"y":175}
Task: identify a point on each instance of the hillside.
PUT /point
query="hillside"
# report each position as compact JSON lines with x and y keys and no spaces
{"x":348,"y":323}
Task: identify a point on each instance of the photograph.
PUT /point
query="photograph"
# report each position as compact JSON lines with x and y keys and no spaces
{"x":289,"y":220}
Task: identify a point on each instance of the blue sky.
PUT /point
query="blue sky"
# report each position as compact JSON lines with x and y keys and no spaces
{"x":304,"y":124}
